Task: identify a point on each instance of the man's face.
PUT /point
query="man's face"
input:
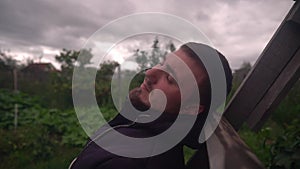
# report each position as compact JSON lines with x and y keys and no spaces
{"x":159,"y":78}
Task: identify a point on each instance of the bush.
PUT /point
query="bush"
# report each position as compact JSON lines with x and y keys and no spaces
{"x":42,"y":134}
{"x":285,"y":151}
{"x":276,"y":147}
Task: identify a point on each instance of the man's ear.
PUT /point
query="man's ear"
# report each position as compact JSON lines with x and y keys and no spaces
{"x":194,"y":110}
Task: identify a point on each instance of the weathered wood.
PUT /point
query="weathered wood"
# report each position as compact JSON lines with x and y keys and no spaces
{"x":274,"y":59}
{"x":294,"y":16}
{"x":276,"y":93}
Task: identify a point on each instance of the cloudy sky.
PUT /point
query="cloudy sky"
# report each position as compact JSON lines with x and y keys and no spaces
{"x":240,"y":29}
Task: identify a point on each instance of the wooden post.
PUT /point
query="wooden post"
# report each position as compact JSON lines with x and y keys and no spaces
{"x":15,"y":75}
{"x":272,"y":76}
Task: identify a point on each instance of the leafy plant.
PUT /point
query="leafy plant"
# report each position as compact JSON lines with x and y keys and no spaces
{"x":285,"y":152}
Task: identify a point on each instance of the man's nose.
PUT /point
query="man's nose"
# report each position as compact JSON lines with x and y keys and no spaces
{"x":153,"y":75}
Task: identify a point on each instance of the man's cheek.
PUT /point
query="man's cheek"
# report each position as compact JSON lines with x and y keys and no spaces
{"x":158,"y":100}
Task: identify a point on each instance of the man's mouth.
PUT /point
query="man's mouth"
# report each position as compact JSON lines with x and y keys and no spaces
{"x":136,"y":100}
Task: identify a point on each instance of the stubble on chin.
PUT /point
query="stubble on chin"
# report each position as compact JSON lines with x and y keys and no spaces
{"x":134,"y":96}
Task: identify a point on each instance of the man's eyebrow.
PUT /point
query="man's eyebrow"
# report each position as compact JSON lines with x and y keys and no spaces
{"x":171,"y":71}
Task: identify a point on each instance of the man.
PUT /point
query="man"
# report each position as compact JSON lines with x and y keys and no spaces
{"x":174,"y":78}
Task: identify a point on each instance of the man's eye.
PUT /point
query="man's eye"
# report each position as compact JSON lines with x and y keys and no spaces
{"x":170,"y":79}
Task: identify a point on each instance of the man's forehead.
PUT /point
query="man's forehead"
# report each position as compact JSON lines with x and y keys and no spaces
{"x":177,"y":64}
{"x":172,"y":58}
{"x":174,"y":61}
{"x":179,"y":59}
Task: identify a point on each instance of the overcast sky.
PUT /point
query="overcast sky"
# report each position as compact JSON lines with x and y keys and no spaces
{"x":240,"y":29}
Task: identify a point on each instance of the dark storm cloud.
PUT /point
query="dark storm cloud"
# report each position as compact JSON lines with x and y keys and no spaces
{"x":54,"y":24}
{"x":238,"y":28}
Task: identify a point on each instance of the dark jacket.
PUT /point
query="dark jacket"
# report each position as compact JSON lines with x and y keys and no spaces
{"x":95,"y":157}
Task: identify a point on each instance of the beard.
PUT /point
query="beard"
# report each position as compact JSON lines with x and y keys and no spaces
{"x":134,"y":96}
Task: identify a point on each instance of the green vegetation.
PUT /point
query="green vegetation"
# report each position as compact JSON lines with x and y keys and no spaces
{"x":277,"y":144}
{"x":44,"y":138}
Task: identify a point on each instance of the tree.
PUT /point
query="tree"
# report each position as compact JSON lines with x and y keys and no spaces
{"x":7,"y":62}
{"x":103,"y":82}
{"x":67,"y":58}
{"x":240,"y":74}
{"x":8,"y":70}
{"x":156,"y":55}
{"x":62,"y":80}
{"x":142,"y":59}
